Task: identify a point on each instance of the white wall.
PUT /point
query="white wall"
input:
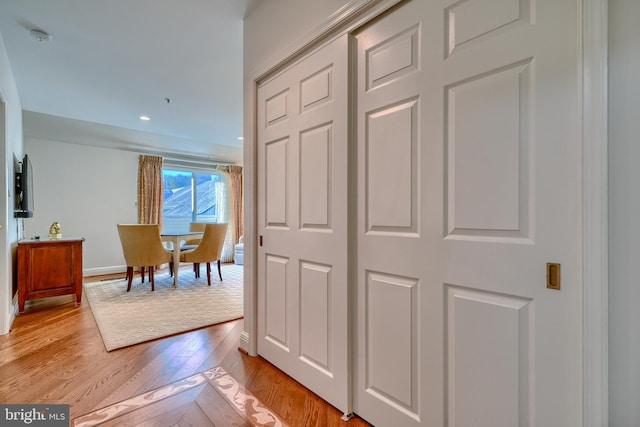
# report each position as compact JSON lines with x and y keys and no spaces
{"x":88,"y":190}
{"x":274,"y":26}
{"x":624,"y":213}
{"x":10,"y":147}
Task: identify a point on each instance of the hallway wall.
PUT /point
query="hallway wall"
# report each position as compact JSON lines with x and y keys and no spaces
{"x":10,"y":151}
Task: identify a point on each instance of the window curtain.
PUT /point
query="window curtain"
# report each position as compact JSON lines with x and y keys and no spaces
{"x":232,"y":208}
{"x":223,"y":196}
{"x":237,"y":202}
{"x":150,"y":190}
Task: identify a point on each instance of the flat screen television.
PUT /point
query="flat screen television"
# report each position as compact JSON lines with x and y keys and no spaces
{"x":24,"y":190}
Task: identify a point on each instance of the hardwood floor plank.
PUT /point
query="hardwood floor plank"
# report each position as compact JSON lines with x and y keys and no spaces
{"x":162,"y":411}
{"x":282,"y":394}
{"x":194,"y":416}
{"x":170,"y":415}
{"x":148,"y":377}
{"x":227,"y":343}
{"x":218,"y":411}
{"x":54,"y":354}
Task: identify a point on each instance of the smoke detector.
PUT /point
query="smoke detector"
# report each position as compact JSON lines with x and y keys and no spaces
{"x":40,"y":35}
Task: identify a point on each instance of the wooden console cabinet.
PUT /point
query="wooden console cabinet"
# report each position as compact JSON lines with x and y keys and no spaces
{"x":48,"y":268}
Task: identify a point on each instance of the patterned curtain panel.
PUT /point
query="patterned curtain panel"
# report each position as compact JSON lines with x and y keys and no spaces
{"x":223,"y":197}
{"x":150,"y":190}
{"x":237,"y":202}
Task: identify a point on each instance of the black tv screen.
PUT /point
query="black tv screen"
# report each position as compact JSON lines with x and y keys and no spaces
{"x":24,"y":190}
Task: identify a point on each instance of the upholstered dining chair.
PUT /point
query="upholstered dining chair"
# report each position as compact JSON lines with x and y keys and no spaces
{"x":208,"y":251}
{"x":193,"y":243}
{"x":142,"y":247}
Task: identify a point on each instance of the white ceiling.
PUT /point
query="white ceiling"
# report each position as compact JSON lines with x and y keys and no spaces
{"x":110,"y":61}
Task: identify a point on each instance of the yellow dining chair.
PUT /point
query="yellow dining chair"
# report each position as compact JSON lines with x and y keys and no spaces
{"x":193,"y":243}
{"x":142,"y":247}
{"x":209,"y":250}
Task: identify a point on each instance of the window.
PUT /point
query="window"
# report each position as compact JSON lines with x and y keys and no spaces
{"x":194,"y":196}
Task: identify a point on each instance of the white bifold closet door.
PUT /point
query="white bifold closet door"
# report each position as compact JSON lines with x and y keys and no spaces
{"x":302,"y":222}
{"x":468,"y":184}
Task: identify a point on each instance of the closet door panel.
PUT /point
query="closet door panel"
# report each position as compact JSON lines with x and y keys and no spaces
{"x":467,"y":170}
{"x":303,"y":292}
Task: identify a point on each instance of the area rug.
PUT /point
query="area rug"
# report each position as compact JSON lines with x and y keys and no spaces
{"x":128,"y":318}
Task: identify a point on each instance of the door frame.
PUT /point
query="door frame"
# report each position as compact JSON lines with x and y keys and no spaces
{"x":594,"y":215}
{"x":595,"y":241}
{"x":7,"y":309}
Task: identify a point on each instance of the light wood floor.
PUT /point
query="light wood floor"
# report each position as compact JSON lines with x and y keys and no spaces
{"x":54,"y":354}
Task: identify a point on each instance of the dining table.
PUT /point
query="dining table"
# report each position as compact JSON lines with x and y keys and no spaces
{"x":175,"y":238}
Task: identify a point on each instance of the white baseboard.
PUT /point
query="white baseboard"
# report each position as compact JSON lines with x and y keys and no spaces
{"x":104,"y":270}
{"x":14,"y":312}
{"x":244,"y":341}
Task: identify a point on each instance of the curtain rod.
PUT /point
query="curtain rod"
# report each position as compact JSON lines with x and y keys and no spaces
{"x":177,"y":158}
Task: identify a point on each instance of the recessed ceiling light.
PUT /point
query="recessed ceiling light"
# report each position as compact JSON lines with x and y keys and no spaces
{"x":241,"y":138}
{"x":145,"y":118}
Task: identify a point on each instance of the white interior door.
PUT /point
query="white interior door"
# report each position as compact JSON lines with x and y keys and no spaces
{"x":468,"y":184}
{"x":302,"y":223}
